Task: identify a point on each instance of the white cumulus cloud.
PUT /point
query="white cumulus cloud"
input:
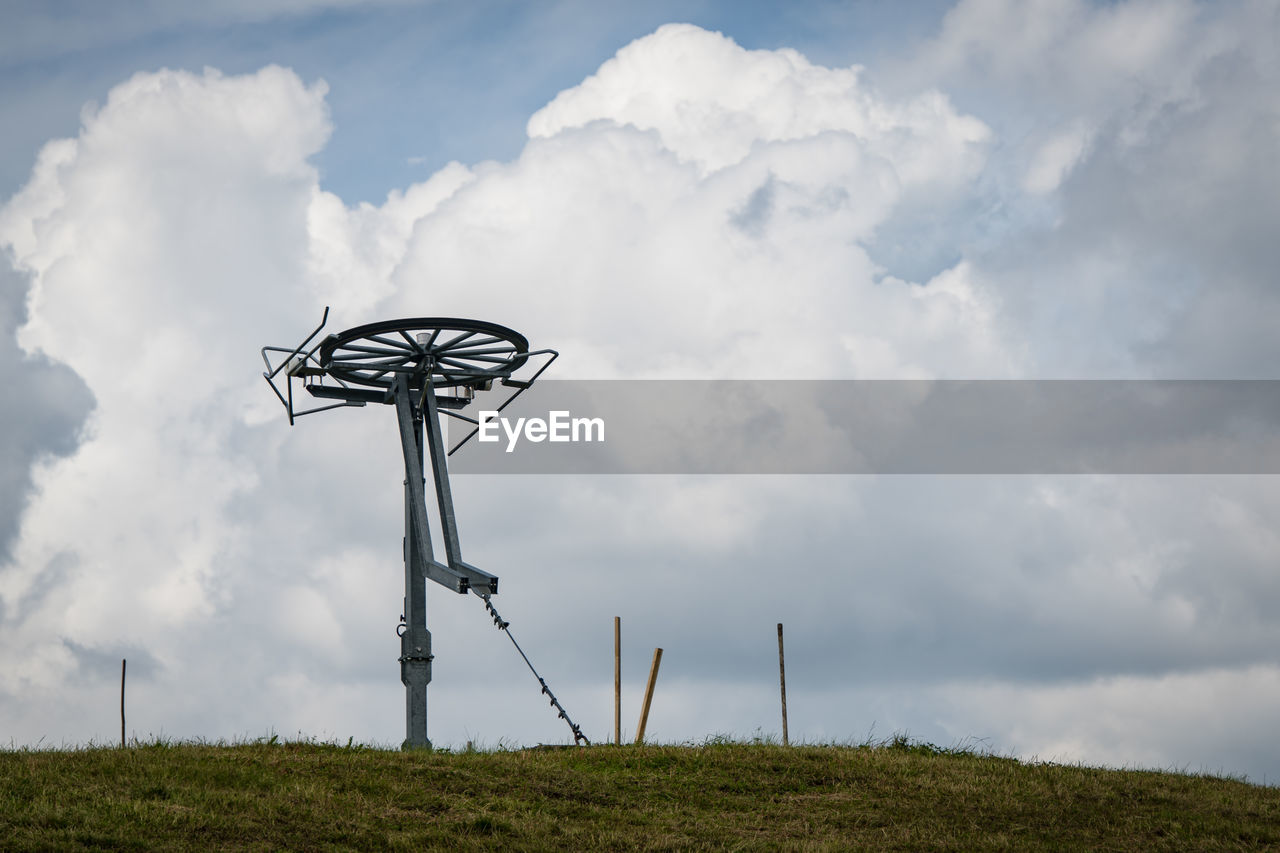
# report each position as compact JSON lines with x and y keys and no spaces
{"x":183,"y":228}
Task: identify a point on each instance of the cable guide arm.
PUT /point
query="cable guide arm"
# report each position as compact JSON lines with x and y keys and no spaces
{"x":299,"y":363}
{"x":521,"y":385}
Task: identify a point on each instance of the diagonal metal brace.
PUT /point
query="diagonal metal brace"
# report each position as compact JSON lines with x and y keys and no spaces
{"x":437,"y":572}
{"x":481,"y":582}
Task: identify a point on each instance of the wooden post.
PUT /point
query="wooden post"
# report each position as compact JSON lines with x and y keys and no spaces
{"x":648,"y":695}
{"x":122,"y":666}
{"x":617,"y":680}
{"x":782,"y":679}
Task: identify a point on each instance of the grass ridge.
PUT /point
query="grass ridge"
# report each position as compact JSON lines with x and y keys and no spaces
{"x":895,"y":794}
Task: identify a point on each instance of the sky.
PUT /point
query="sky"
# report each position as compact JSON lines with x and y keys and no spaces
{"x":984,"y":189}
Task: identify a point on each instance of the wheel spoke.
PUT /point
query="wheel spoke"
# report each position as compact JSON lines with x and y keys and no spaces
{"x":362,"y":362}
{"x":435,"y":333}
{"x":452,"y":347}
{"x":457,"y":340}
{"x":343,"y":357}
{"x":462,"y":365}
{"x":469,"y":350}
{"x":413,"y":347}
{"x":469,"y":357}
{"x":398,"y":351}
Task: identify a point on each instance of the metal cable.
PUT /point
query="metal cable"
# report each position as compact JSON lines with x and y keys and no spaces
{"x":578,"y":736}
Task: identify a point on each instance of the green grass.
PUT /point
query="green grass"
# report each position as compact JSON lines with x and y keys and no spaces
{"x":895,"y":796}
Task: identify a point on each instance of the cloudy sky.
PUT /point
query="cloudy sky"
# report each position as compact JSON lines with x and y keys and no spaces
{"x":868,"y":190}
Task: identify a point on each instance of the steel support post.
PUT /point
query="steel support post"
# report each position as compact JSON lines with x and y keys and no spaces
{"x":420,"y":437}
{"x":415,"y":639}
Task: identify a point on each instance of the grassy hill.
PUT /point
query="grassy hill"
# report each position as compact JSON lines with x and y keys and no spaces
{"x":898,"y":796}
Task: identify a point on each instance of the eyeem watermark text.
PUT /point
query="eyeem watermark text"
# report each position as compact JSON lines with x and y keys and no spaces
{"x":558,"y":426}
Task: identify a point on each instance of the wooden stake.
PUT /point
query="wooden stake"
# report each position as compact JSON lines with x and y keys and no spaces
{"x":122,"y":666}
{"x":648,"y":695}
{"x":782,"y":679}
{"x":617,"y":680}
